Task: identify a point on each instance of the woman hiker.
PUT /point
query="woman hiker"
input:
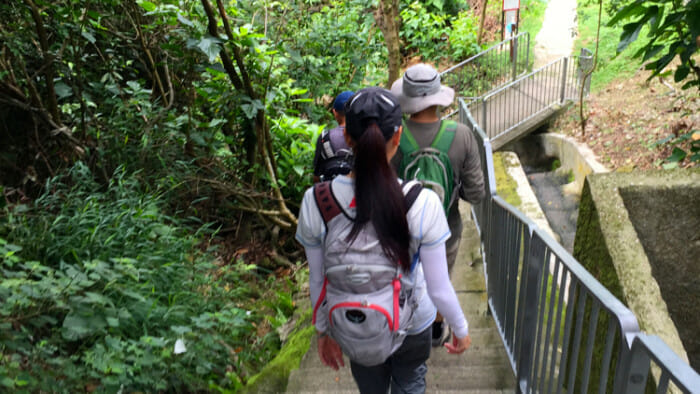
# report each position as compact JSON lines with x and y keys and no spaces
{"x":373,"y":205}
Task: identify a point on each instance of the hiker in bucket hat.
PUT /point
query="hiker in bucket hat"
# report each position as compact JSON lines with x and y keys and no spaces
{"x":420,"y":88}
{"x":421,"y":95}
{"x":369,"y":220}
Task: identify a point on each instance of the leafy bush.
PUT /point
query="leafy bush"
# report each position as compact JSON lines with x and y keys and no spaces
{"x":333,"y":49}
{"x":424,"y":32}
{"x":463,"y":38}
{"x":295,"y":144}
{"x":672,"y":31}
{"x":98,"y":285}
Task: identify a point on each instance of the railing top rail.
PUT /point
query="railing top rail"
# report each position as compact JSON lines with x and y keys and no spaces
{"x":627,"y":319}
{"x":491,"y":176}
{"x":526,"y":76}
{"x":682,"y":375}
{"x":482,"y":53}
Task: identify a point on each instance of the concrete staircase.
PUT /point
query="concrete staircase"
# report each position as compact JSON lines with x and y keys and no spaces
{"x":484,"y":368}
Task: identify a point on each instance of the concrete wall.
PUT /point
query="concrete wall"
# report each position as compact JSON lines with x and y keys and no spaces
{"x":608,"y":245}
{"x":573,"y":156}
{"x":667,"y":222}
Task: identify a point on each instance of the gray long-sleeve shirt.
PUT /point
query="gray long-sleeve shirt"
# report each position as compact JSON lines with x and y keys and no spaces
{"x":463,"y":154}
{"x":466,"y":167}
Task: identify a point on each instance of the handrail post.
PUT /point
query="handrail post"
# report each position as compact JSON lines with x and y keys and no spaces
{"x":535,"y":258}
{"x":633,"y":371}
{"x":563,"y":80}
{"x":514,"y":58}
{"x":527,"y":54}
{"x":483,"y":117}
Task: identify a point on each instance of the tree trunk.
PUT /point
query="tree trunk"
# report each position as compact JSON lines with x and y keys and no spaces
{"x":481,"y":22}
{"x":387,"y":17}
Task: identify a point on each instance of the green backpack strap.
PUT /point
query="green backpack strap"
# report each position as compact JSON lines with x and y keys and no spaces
{"x":445,"y":136}
{"x":408,"y":144}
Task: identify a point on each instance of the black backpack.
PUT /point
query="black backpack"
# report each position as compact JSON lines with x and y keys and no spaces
{"x":336,"y":157}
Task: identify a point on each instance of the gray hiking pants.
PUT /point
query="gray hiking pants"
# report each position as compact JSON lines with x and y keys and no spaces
{"x":404,"y":371}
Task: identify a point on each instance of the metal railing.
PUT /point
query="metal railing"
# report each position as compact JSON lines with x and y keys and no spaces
{"x":562,"y":330}
{"x":541,"y":91}
{"x":671,"y":369}
{"x":490,"y":69}
{"x":503,"y":96}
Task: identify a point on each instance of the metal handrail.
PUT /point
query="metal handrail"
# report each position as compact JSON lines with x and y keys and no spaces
{"x":515,"y":103}
{"x":499,"y":64}
{"x":648,"y":348}
{"x":494,"y":48}
{"x":561,"y":328}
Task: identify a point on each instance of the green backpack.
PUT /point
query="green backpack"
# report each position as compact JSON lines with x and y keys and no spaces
{"x":431,"y":165}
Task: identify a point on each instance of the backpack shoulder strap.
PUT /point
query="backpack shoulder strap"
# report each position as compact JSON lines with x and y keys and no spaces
{"x":326,"y":146}
{"x":411,"y":195}
{"x":408,"y":144}
{"x":445,"y":136}
{"x":325,"y":201}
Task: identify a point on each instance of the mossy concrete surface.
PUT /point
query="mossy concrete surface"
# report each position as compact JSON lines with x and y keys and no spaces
{"x":667,"y":222}
{"x":274,"y":377}
{"x":609,"y":247}
{"x":515,"y":178}
{"x":574,"y":157}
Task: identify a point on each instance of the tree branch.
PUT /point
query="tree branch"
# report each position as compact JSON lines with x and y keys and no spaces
{"x":48,"y":60}
{"x":223,"y":53}
{"x":236,"y":51}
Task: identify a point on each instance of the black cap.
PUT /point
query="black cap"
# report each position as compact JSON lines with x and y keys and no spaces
{"x":372,"y":105}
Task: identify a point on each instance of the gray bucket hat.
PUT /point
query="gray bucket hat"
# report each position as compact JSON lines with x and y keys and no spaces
{"x":420,"y":88}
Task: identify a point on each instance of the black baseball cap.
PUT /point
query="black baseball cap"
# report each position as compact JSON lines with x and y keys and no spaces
{"x":373,"y":105}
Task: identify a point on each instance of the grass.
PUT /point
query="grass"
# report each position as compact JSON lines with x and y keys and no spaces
{"x":611,"y":66}
{"x":532,"y":16}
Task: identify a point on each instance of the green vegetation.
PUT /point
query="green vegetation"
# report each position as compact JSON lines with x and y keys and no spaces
{"x":99,"y":284}
{"x":450,"y":37}
{"x":673,"y":31}
{"x":531,"y":17}
{"x":610,"y":65}
{"x":154,"y":156}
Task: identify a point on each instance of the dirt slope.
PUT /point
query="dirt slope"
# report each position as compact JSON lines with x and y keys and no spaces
{"x":628,"y":121}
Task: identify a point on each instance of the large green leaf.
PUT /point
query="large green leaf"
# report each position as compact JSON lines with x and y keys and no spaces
{"x":627,"y":11}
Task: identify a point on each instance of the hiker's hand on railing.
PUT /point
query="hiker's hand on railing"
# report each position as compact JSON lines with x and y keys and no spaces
{"x":458,"y":345}
{"x":329,"y":352}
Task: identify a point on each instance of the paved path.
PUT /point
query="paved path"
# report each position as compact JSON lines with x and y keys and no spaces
{"x":484,"y":368}
{"x":556,"y":37}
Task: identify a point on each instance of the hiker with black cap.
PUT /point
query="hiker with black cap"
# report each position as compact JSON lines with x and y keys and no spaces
{"x":333,"y":156}
{"x":425,"y":135}
{"x":377,"y":264}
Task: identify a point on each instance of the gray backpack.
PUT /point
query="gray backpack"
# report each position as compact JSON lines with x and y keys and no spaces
{"x":369,"y":303}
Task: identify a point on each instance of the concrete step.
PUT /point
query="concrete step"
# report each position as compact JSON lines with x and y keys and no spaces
{"x":476,"y":355}
{"x":321,"y":379}
{"x":485,"y":337}
{"x":460,"y":377}
{"x":474,"y":391}
{"x":481,"y":378}
{"x":483,"y":369}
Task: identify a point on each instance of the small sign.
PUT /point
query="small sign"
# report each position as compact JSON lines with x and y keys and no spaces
{"x":511,"y":23}
{"x":511,"y":5}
